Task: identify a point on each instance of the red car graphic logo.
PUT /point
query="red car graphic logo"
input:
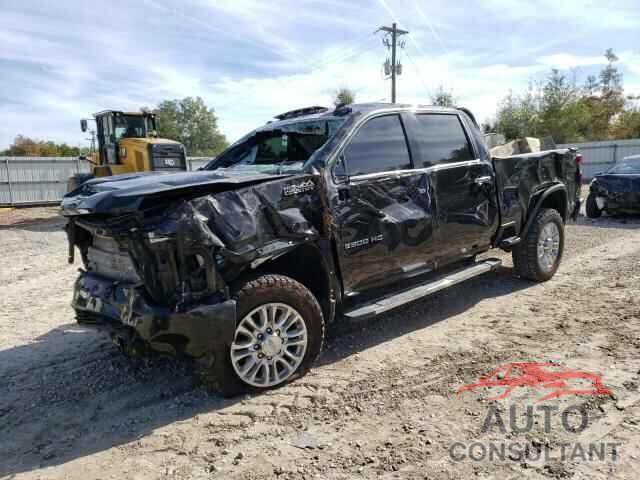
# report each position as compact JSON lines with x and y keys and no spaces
{"x":545,"y":375}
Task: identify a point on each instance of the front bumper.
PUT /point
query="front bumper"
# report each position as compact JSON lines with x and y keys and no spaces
{"x":194,"y":333}
{"x":621,"y":197}
{"x":627,"y":201}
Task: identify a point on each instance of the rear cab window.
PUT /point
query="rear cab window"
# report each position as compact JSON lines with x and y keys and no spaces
{"x":380,"y":145}
{"x":442,"y":139}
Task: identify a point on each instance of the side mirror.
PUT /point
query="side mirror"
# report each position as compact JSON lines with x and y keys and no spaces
{"x":340,"y":174}
{"x":83,"y":125}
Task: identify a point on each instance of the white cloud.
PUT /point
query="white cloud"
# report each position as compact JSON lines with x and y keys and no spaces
{"x":564,"y":61}
{"x":607,"y":15}
{"x":631,"y":61}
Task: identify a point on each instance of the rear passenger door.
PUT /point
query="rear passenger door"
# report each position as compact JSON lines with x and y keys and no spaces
{"x":464,"y":185}
{"x":384,"y":209}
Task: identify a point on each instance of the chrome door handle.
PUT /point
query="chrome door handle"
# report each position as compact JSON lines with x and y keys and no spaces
{"x":483,"y":180}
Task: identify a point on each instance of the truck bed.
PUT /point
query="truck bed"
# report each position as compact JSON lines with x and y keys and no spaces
{"x":520,"y":178}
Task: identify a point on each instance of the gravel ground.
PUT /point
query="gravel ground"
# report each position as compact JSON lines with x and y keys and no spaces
{"x":381,"y":403}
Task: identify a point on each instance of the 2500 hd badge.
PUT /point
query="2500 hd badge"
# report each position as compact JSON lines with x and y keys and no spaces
{"x":363,"y":242}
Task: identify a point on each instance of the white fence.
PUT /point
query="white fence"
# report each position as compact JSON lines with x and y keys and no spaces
{"x":599,"y":156}
{"x":43,"y":180}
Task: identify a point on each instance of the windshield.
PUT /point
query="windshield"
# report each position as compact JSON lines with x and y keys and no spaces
{"x":129,"y":126}
{"x":629,"y":166}
{"x":283,"y":149}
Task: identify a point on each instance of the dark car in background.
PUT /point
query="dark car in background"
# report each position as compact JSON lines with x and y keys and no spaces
{"x":617,"y":190}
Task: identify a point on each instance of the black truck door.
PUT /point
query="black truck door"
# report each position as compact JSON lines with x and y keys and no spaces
{"x":383,"y":210}
{"x":464,"y":186}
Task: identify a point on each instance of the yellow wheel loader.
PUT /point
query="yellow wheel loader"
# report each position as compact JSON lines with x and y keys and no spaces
{"x":128,"y":143}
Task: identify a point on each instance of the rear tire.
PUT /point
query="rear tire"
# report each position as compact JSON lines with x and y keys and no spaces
{"x":592,"y":207}
{"x":538,"y":256}
{"x":296,"y":316}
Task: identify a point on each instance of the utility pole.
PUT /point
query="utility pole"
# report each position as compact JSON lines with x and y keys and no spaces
{"x":395,"y":33}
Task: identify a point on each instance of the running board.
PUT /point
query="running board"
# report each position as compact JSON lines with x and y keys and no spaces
{"x":390,"y":302}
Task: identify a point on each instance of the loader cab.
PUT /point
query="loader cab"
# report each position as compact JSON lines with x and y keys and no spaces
{"x":128,"y":142}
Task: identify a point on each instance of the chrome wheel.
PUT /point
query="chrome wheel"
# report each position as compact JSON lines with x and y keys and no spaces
{"x":269,"y":345}
{"x":548,"y":246}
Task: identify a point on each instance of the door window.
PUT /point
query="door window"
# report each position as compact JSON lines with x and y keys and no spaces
{"x":442,"y":139}
{"x":379,"y":146}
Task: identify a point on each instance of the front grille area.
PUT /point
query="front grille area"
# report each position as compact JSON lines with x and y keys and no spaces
{"x":108,"y":260}
{"x":167,"y":156}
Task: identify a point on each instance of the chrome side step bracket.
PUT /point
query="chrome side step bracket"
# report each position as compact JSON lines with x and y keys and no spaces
{"x":390,"y":302}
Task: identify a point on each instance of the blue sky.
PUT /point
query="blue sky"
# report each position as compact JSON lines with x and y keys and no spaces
{"x":61,"y":60}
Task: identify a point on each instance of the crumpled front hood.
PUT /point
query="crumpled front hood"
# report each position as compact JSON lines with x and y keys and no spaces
{"x":614,"y":183}
{"x":125,"y":193}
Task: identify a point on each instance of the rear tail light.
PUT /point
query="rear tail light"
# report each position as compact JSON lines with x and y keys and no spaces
{"x":579,"y":170}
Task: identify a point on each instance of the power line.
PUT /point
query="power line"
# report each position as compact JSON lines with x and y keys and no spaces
{"x":344,"y":55}
{"x":418,"y":71}
{"x":285,"y":84}
{"x":420,"y":11}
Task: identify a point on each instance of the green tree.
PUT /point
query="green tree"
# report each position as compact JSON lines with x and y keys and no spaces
{"x":23,"y":147}
{"x":192,"y":123}
{"x":67,"y":150}
{"x":591,"y":86}
{"x":344,"y":96}
{"x":626,"y":125}
{"x":611,"y":101}
{"x":488,"y":126}
{"x":564,"y":114}
{"x":443,"y":98}
{"x":518,"y":115}
{"x":569,"y":113}
{"x":27,"y":147}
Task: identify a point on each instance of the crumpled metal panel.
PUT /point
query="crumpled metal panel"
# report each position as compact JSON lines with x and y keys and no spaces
{"x":521,"y":177}
{"x":386,"y":228}
{"x":247,"y":219}
{"x":127,"y":193}
{"x":192,"y":333}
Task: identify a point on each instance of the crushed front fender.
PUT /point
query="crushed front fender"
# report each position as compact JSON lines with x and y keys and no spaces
{"x":191,"y":333}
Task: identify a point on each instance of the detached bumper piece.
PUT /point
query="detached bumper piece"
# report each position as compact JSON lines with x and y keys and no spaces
{"x":193,"y":333}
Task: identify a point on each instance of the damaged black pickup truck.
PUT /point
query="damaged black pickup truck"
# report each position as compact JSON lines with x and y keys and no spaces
{"x":317,"y":215}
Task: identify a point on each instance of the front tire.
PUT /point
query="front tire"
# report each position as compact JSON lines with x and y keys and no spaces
{"x":538,"y":256}
{"x":592,"y":207}
{"x":279,"y":335}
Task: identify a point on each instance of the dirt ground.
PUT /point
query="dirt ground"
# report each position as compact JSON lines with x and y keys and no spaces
{"x":381,"y":403}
